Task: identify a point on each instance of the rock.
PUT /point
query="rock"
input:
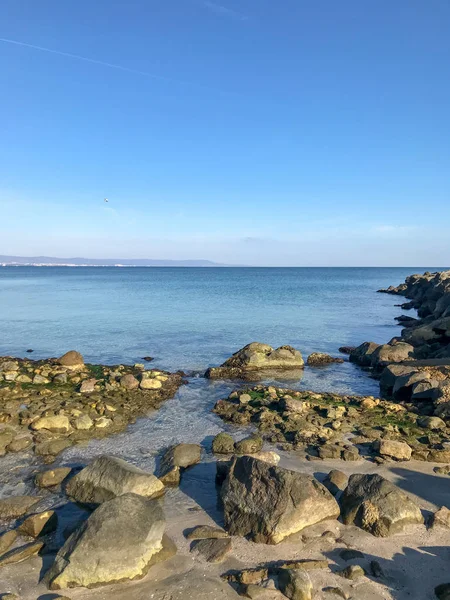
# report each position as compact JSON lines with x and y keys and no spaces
{"x":129,"y":382}
{"x":107,"y":477}
{"x":150,"y":384}
{"x":213,"y":550}
{"x":362,"y":355}
{"x":249,"y":445}
{"x":9,"y":596}
{"x":336,"y":481}
{"x":40,"y":380}
{"x":443,"y":591}
{"x":71,"y":359}
{"x":223,"y":443}
{"x":352,"y":572}
{"x":441,"y":518}
{"x":389,"y":376}
{"x":20,"y":444}
{"x":148,"y":358}
{"x":292,"y":405}
{"x":52,"y":447}
{"x":346,"y":349}
{"x":376,"y":569}
{"x":336,"y":591}
{"x":206,"y":532}
{"x":268,"y":503}
{"x":6,"y":437}
{"x":39,"y":524}
{"x":391,"y":353}
{"x":392,"y":449}
{"x":116,"y":543}
{"x":7,"y":539}
{"x":60,"y":379}
{"x":102,"y":423}
{"x":245,"y":398}
{"x":377,"y":506}
{"x":258,"y":357}
{"x":16,"y":506}
{"x":52,"y":477}
{"x":9,"y":365}
{"x":193,"y":584}
{"x":55,"y":423}
{"x":320,"y":359}
{"x":295,"y":584}
{"x":270,"y":457}
{"x":88,"y":386}
{"x":403,"y":386}
{"x":433,"y":423}
{"x":350,"y":554}
{"x":20,"y":554}
{"x":83,"y":423}
{"x":439,"y":456}
{"x":176,"y":458}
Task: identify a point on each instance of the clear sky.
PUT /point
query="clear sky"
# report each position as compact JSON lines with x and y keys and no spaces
{"x":266,"y":132}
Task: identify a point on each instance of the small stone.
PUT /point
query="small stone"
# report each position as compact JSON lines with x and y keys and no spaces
{"x":433,"y":423}
{"x":7,"y":539}
{"x":20,"y":554}
{"x":52,"y":447}
{"x":52,"y":477}
{"x":223,"y":443}
{"x":83,"y":422}
{"x":39,"y":524}
{"x":16,"y":506}
{"x":445,"y":470}
{"x":40,"y":380}
{"x":245,"y":398}
{"x":55,"y":423}
{"x":103,"y":422}
{"x":20,"y":444}
{"x":206,"y":532}
{"x":295,"y":584}
{"x":441,"y":518}
{"x":23,"y":379}
{"x":147,"y":358}
{"x":336,"y":481}
{"x":72,"y":359}
{"x":392,"y":449}
{"x":60,"y":379}
{"x":249,"y":445}
{"x":88,"y":386}
{"x":129,"y":382}
{"x":352,"y":572}
{"x":150,"y":384}
{"x":213,"y":550}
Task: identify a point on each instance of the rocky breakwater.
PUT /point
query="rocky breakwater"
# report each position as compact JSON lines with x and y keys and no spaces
{"x":415,"y":366}
{"x":48,"y":405}
{"x":332,"y":426}
{"x":259,"y":360}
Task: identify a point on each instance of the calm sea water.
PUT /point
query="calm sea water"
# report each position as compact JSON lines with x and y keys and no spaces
{"x":189,"y":318}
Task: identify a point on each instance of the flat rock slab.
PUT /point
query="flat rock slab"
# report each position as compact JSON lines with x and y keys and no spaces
{"x":108,"y":477}
{"x":116,"y":543}
{"x":193,"y":585}
{"x":52,"y":477}
{"x":213,"y":550}
{"x":39,"y":524}
{"x":16,"y":506}
{"x":206,"y":532}
{"x":20,"y":554}
{"x":7,"y":539}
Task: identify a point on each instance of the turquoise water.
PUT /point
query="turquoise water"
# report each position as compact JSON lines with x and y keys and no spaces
{"x":190,"y":318}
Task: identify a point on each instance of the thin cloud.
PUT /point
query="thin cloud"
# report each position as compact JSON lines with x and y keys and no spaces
{"x":113,"y":66}
{"x":223,"y":11}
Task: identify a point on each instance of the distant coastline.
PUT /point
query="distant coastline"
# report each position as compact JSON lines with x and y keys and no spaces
{"x":50,"y":261}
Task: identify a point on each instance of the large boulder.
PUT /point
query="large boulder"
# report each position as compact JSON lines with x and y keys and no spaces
{"x":268,"y":503}
{"x":119,"y":541}
{"x":107,"y":477}
{"x":391,"y":353}
{"x":258,"y":357}
{"x":389,"y":376}
{"x":362,"y":355}
{"x":377,"y":506}
{"x":393,"y":449}
{"x":71,"y":359}
{"x":404,"y":385}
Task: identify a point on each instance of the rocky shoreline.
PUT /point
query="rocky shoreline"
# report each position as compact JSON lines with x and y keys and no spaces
{"x":310,"y":506}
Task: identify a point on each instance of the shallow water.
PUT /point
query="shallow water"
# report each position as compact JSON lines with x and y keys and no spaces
{"x":189,"y":319}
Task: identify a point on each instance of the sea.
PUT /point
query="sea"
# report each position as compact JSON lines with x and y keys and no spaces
{"x":189,"y":319}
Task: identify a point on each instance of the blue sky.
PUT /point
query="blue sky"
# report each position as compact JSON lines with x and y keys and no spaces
{"x":266,"y":132}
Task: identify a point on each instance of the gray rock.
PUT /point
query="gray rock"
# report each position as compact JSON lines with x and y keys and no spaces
{"x":177,"y":458}
{"x":443,"y":591}
{"x":193,"y":584}
{"x":434,"y":423}
{"x":295,"y":584}
{"x":206,"y":532}
{"x":362,"y":355}
{"x":336,"y":481}
{"x":116,"y":543}
{"x":377,"y":506}
{"x":213,"y":550}
{"x":71,"y":359}
{"x":16,"y":506}
{"x":249,"y":445}
{"x":391,"y":353}
{"x":129,"y":382}
{"x":20,"y":554}
{"x":223,"y":443}
{"x":268,"y":503}
{"x":352,"y":572}
{"x":108,"y":477}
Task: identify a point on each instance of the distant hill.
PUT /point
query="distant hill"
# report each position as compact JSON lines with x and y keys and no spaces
{"x":50,"y":261}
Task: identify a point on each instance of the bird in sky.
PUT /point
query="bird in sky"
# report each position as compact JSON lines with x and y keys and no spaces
{"x":106,"y":199}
